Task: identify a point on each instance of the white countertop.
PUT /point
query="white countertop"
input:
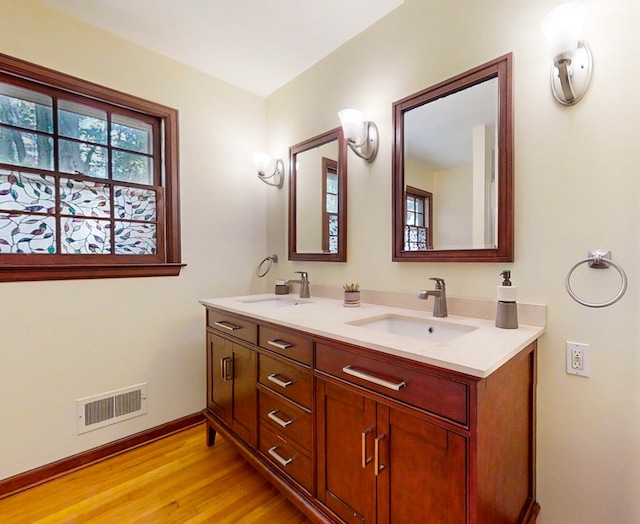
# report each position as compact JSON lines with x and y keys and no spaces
{"x":477,"y":353}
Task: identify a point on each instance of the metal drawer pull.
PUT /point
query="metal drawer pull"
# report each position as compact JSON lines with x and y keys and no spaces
{"x":378,"y":467}
{"x":280,"y":344}
{"x":224,"y":366}
{"x":396,"y":386}
{"x":276,"y":380}
{"x":284,"y":423}
{"x":365,"y":460}
{"x":227,"y":325}
{"x":283,"y":461}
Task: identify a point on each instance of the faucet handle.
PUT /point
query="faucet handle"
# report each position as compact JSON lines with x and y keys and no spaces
{"x":439,"y":282}
{"x":303,"y":274}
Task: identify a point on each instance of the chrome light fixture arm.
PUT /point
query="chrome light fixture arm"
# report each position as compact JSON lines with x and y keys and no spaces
{"x":571,"y":75}
{"x":277,"y":175}
{"x":367,"y":148}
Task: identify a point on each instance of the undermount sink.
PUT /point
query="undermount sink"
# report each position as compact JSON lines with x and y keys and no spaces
{"x":420,"y":328}
{"x":275,"y":302}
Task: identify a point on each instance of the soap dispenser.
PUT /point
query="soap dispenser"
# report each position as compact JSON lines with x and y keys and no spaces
{"x":507,"y":311}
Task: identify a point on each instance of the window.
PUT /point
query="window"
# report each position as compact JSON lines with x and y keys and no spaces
{"x":418,"y":234}
{"x":88,"y":179}
{"x":329,"y":205}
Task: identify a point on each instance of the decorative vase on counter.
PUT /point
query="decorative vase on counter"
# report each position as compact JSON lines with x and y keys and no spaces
{"x":351,"y":295}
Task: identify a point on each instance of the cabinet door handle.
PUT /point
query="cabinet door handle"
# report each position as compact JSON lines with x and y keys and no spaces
{"x":378,"y":467}
{"x":284,"y":423}
{"x":227,"y":325}
{"x":396,"y":386}
{"x":365,"y":460}
{"x":280,"y":344}
{"x":285,"y":462}
{"x":227,"y":374}
{"x":276,"y":380}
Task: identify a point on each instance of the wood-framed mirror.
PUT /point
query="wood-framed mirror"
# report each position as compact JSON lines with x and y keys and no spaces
{"x":318,"y":198}
{"x":453,"y":169}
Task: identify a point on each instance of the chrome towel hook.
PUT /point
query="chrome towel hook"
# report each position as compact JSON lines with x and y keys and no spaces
{"x":597,"y":259}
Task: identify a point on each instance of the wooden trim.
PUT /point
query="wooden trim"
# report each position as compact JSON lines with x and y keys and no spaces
{"x":341,"y":255}
{"x":61,"y":467}
{"x":26,"y":273}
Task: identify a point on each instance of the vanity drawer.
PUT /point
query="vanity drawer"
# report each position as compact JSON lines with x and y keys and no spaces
{"x":285,"y":419}
{"x":287,"y":343}
{"x":438,"y":395}
{"x":286,"y":457}
{"x":232,"y":325}
{"x":293,"y":383}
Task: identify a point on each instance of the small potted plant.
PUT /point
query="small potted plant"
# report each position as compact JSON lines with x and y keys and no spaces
{"x":351,"y":295}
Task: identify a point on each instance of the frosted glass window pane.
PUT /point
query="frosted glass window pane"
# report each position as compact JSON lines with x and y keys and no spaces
{"x":130,"y":167}
{"x":419,"y":205}
{"x":410,"y":204}
{"x":85,"y":123}
{"x":333,"y":225}
{"x":332,"y":183}
{"x":85,"y":236}
{"x":27,"y":192}
{"x":27,"y":233}
{"x":84,"y":198}
{"x":333,"y":245}
{"x":83,"y":159}
{"x":25,"y":108}
{"x":133,"y":203}
{"x":131,"y":134}
{"x":21,"y":148}
{"x":135,"y":238}
{"x":332,"y":204}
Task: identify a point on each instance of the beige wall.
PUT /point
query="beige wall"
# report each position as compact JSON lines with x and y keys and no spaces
{"x":61,"y":341}
{"x":576,"y":188}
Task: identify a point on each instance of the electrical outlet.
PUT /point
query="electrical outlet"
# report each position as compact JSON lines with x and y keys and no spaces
{"x":578,"y":359}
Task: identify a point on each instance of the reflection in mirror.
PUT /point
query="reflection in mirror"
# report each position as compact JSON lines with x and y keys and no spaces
{"x":452,"y":169}
{"x":317,"y":198}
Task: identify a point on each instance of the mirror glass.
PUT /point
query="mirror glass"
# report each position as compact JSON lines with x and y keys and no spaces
{"x":452,"y":169}
{"x":318,"y":198}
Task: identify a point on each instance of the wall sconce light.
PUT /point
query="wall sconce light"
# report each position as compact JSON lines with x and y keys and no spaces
{"x":360,"y":134}
{"x":263,"y":163}
{"x":572,"y":63}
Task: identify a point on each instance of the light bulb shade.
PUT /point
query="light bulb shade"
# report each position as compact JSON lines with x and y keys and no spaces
{"x":351,"y":120}
{"x":262,"y":161}
{"x":562,"y":28}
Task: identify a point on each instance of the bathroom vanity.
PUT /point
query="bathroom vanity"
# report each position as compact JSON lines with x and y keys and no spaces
{"x":357,"y":423}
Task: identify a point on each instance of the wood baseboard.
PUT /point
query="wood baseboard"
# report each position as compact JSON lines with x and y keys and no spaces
{"x":61,"y":467}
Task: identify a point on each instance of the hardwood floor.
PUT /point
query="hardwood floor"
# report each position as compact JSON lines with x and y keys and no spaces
{"x":175,"y":480}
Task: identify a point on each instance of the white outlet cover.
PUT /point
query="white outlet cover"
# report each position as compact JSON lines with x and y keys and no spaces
{"x":584,"y":348}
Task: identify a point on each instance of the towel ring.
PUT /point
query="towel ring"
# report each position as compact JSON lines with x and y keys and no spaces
{"x":271,"y":260}
{"x":597,"y":259}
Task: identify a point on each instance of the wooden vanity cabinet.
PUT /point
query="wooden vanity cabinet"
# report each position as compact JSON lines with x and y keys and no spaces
{"x":352,"y":435}
{"x":398,"y":443}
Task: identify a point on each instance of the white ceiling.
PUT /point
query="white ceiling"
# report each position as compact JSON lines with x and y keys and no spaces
{"x":258,"y":45}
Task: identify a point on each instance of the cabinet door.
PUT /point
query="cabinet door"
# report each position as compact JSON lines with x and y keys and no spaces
{"x":231,"y":385}
{"x":346,"y":431}
{"x":422,"y":475}
{"x":219,"y":383}
{"x":244,"y":413}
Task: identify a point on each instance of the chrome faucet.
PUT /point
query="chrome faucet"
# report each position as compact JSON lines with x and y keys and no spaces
{"x":440,"y":295}
{"x":304,"y":284}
